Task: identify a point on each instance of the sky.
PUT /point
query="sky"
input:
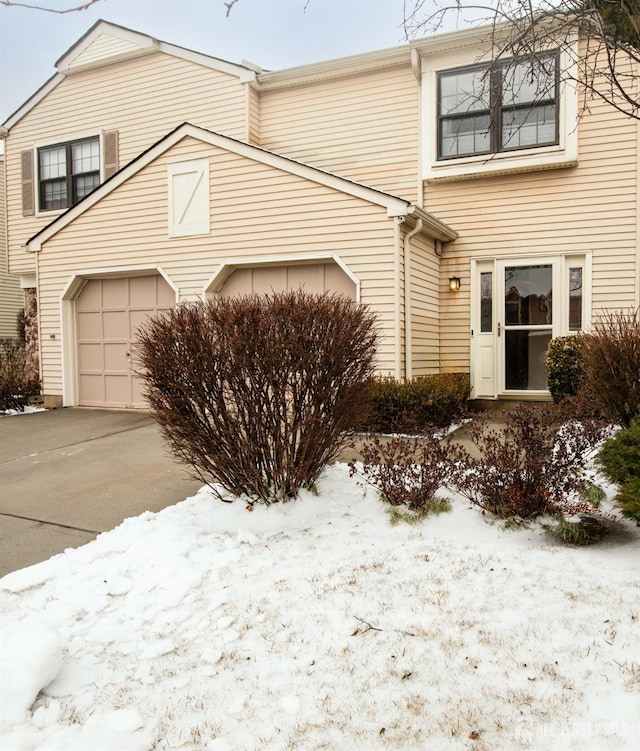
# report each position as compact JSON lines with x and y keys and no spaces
{"x":274,"y":34}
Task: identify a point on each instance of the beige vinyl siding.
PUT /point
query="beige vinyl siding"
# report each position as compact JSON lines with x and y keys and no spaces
{"x":256,"y":211}
{"x":591,"y":208}
{"x":364,"y":127}
{"x":143,"y":99}
{"x":425,"y":307}
{"x":253,"y":116}
{"x":10,"y":292}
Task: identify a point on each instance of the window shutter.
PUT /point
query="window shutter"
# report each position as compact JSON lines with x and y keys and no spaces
{"x":111,"y":162}
{"x":28,"y":192}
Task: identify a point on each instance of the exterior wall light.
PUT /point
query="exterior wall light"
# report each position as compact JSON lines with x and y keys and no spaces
{"x":454,"y":283}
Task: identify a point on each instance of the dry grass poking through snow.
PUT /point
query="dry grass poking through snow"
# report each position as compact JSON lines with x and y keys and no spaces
{"x":319,"y":625}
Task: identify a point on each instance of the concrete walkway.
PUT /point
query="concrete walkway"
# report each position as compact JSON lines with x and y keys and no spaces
{"x":68,"y":474}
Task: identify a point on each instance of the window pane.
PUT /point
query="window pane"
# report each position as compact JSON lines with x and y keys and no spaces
{"x":532,"y":81}
{"x":464,"y":135}
{"x":54,"y":195}
{"x":531,"y":126}
{"x":575,"y":299}
{"x":85,"y":156}
{"x":525,"y":354}
{"x":464,"y":91}
{"x":486,"y":302}
{"x":53,"y":163}
{"x":83,"y":185}
{"x":528,"y":295}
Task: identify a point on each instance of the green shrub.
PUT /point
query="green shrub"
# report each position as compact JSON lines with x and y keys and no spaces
{"x":565,"y":372}
{"x":16,"y":385}
{"x":619,"y":459}
{"x":259,"y":393}
{"x":417,"y":405}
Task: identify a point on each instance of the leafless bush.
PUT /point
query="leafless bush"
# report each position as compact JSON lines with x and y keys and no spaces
{"x":259,"y":393}
{"x":406,"y":471}
{"x":611,"y":363}
{"x":533,"y":466}
{"x":17,"y":386}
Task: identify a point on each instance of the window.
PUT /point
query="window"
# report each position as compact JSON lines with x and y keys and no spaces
{"x":68,"y":172}
{"x":491,"y":109}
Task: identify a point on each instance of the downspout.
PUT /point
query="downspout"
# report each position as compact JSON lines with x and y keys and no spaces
{"x":408,"y":328}
{"x":397,"y":299}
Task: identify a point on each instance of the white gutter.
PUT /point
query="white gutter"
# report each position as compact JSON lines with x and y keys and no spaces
{"x":408,"y":329}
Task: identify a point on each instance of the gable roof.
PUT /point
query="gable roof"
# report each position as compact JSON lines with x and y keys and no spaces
{"x":395,"y":206}
{"x":106,"y":43}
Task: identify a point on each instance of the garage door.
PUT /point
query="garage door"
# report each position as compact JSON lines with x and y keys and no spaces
{"x":314,"y":278}
{"x":108,"y":314}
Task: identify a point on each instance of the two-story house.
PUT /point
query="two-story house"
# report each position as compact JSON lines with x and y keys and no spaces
{"x":10,"y":295}
{"x":477,"y":222}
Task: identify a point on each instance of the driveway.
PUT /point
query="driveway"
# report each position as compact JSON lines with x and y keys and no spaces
{"x":69,"y":474}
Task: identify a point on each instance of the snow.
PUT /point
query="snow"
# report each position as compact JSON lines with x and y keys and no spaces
{"x":319,"y":625}
{"x":28,"y":410}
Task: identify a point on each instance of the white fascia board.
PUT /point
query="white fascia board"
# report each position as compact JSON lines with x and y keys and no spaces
{"x":33,"y":100}
{"x":223,"y":66}
{"x":394,"y":205}
{"x":343,"y":66}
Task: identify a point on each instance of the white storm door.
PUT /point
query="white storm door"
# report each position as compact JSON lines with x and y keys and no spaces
{"x":528,"y":318}
{"x":483,"y":328}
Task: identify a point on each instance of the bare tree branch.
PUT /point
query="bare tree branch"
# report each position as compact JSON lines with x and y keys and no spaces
{"x":82,"y":6}
{"x":526,"y":28}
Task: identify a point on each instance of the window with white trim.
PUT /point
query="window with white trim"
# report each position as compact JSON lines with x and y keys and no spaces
{"x":506,"y":106}
{"x":68,"y":172}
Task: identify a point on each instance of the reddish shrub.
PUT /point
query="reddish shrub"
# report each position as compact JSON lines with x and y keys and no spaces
{"x":533,"y":466}
{"x":259,"y":393}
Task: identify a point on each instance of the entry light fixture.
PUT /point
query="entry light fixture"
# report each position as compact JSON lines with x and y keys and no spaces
{"x":454,"y":283}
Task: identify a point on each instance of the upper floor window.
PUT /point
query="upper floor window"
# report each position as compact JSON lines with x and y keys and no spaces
{"x":68,"y":172}
{"x":488,"y":109}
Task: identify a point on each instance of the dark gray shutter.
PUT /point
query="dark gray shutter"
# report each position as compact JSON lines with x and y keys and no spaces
{"x":111,"y":162}
{"x":28,"y":186}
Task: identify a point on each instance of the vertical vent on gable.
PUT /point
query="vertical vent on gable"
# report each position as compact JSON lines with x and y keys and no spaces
{"x":28,"y":184}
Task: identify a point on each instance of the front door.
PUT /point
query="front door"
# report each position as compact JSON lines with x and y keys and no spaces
{"x":517,"y":307}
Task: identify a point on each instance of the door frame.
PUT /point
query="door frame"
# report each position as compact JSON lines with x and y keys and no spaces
{"x":483,"y":388}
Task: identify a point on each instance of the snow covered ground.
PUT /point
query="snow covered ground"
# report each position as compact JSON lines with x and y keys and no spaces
{"x":319,"y":625}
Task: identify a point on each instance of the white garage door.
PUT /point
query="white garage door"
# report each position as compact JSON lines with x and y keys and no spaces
{"x":108,"y":314}
{"x":315,"y":278}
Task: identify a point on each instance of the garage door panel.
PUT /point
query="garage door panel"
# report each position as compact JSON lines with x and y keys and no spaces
{"x":166,"y":296}
{"x":91,"y":297}
{"x":117,"y":390}
{"x":115,"y":324}
{"x":308,"y":278}
{"x":90,"y":358}
{"x":313,"y":278}
{"x":90,"y":326}
{"x":337,"y":281}
{"x":143,"y":291}
{"x":115,"y":358}
{"x":115,"y":293}
{"x":92,"y":389}
{"x":108,"y":315}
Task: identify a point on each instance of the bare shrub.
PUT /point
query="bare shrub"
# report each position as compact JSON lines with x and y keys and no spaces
{"x":259,"y":393}
{"x":17,"y":386}
{"x":406,"y":471}
{"x":533,"y":466}
{"x":611,"y":363}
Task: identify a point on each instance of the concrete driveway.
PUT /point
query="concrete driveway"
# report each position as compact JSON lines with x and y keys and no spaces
{"x":68,"y":474}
